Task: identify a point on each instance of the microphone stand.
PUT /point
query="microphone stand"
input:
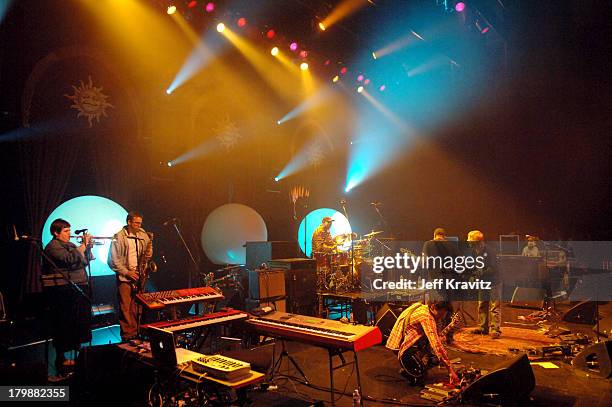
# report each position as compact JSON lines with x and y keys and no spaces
{"x":186,"y":246}
{"x":352,"y":262}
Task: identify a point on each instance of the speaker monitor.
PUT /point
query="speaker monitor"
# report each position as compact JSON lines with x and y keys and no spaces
{"x":582,"y":313}
{"x":508,"y":384}
{"x":266,"y":283}
{"x":386,"y":317}
{"x":595,"y":359}
{"x":261,"y":252}
{"x":605,"y":327}
{"x":524,"y":297}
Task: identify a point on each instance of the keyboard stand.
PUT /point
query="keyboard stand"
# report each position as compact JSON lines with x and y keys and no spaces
{"x":339,"y":352}
{"x":276,"y":364}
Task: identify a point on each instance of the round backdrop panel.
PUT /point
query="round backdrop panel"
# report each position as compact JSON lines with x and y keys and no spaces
{"x":311,"y":221}
{"x":101,"y":216}
{"x":226,"y":231}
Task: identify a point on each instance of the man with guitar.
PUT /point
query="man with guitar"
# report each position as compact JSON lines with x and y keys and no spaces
{"x":416,"y":338}
{"x":129,"y":255}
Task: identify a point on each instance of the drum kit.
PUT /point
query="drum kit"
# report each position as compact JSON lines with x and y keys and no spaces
{"x":340,"y":270}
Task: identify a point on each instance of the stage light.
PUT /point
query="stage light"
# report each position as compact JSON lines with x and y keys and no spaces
{"x":483,"y":27}
{"x":168,"y":91}
{"x":171,"y":10}
{"x":374,"y":55}
{"x":459,"y":7}
{"x":274,"y":51}
{"x":270,"y":34}
{"x":360,"y":78}
{"x":322,"y":26}
{"x":241,"y":22}
{"x":343,"y":70}
{"x":169,"y":164}
{"x":192,"y":4}
{"x":360,"y":89}
{"x":220,"y":27}
{"x":327,"y":62}
{"x":303,"y":66}
{"x":293,"y":46}
{"x":382,"y":88}
{"x":276,"y":179}
{"x":210,"y":7}
{"x":366,"y":82}
{"x":278,"y":122}
{"x":335,"y":79}
{"x":303,"y":54}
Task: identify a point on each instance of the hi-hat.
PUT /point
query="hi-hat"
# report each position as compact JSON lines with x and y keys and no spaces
{"x":373,"y":233}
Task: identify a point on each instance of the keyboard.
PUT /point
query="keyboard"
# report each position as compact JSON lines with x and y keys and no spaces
{"x":186,"y":324}
{"x":221,"y":367}
{"x":316,"y":331}
{"x":159,"y":299}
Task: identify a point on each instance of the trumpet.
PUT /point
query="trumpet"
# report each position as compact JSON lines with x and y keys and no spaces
{"x":95,"y":240}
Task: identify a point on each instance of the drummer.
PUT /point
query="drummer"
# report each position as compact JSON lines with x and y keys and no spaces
{"x":322,"y":241}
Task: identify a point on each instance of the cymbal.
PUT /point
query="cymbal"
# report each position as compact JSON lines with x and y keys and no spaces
{"x":373,"y":233}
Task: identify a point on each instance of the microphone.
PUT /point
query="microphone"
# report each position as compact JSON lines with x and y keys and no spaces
{"x":343,"y":202}
{"x":26,"y":237}
{"x":79,"y":231}
{"x":171,"y":221}
{"x":15,"y":238}
{"x":376,"y":203}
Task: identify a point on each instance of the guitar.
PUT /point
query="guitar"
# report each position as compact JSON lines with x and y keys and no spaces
{"x":418,"y":358}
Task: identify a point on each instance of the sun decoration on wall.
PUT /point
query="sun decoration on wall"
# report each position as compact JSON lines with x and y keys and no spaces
{"x":227,"y":133}
{"x":89,"y":101}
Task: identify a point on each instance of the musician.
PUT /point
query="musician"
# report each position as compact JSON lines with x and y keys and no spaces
{"x":70,"y":317}
{"x":488,"y":300}
{"x":416,"y":338}
{"x":130,"y":251}
{"x":439,"y":246}
{"x":531,"y":249}
{"x":322,"y":241}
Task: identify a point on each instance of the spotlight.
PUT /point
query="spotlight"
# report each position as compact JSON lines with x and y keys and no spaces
{"x":168,"y":91}
{"x":210,"y":7}
{"x":169,"y":164}
{"x":459,"y":7}
{"x":366,"y":82}
{"x":382,"y":88}
{"x":483,"y":27}
{"x":241,"y":22}
{"x":343,"y":70}
{"x":192,"y":4}
{"x":327,"y":62}
{"x":274,"y":51}
{"x":374,"y":55}
{"x":360,"y":78}
{"x":220,"y":27}
{"x":276,"y":179}
{"x":303,"y":54}
{"x":171,"y":10}
{"x":322,"y":26}
{"x":335,"y":79}
{"x":360,"y":89}
{"x":303,"y":66}
{"x":270,"y":34}
{"x":278,"y":122}
{"x":293,"y":46}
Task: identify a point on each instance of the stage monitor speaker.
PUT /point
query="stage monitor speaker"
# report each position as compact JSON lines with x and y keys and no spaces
{"x":386,"y":317}
{"x":262,"y":252}
{"x":585,"y":312}
{"x":524,"y":297}
{"x":605,"y":327}
{"x":595,"y":360}
{"x":508,"y":384}
{"x":264,"y":283}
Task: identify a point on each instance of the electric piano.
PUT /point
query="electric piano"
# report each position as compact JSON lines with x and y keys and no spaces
{"x":317,"y":331}
{"x":159,"y":299}
{"x":186,"y":324}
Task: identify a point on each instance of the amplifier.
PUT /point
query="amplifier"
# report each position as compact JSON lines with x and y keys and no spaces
{"x":266,"y":284}
{"x":293,"y":264}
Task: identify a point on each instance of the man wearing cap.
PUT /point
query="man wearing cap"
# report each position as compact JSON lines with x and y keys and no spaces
{"x":488,"y":300}
{"x":322,"y":241}
{"x":442,"y":248}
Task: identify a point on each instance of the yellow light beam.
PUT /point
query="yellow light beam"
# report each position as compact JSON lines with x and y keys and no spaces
{"x":344,"y":9}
